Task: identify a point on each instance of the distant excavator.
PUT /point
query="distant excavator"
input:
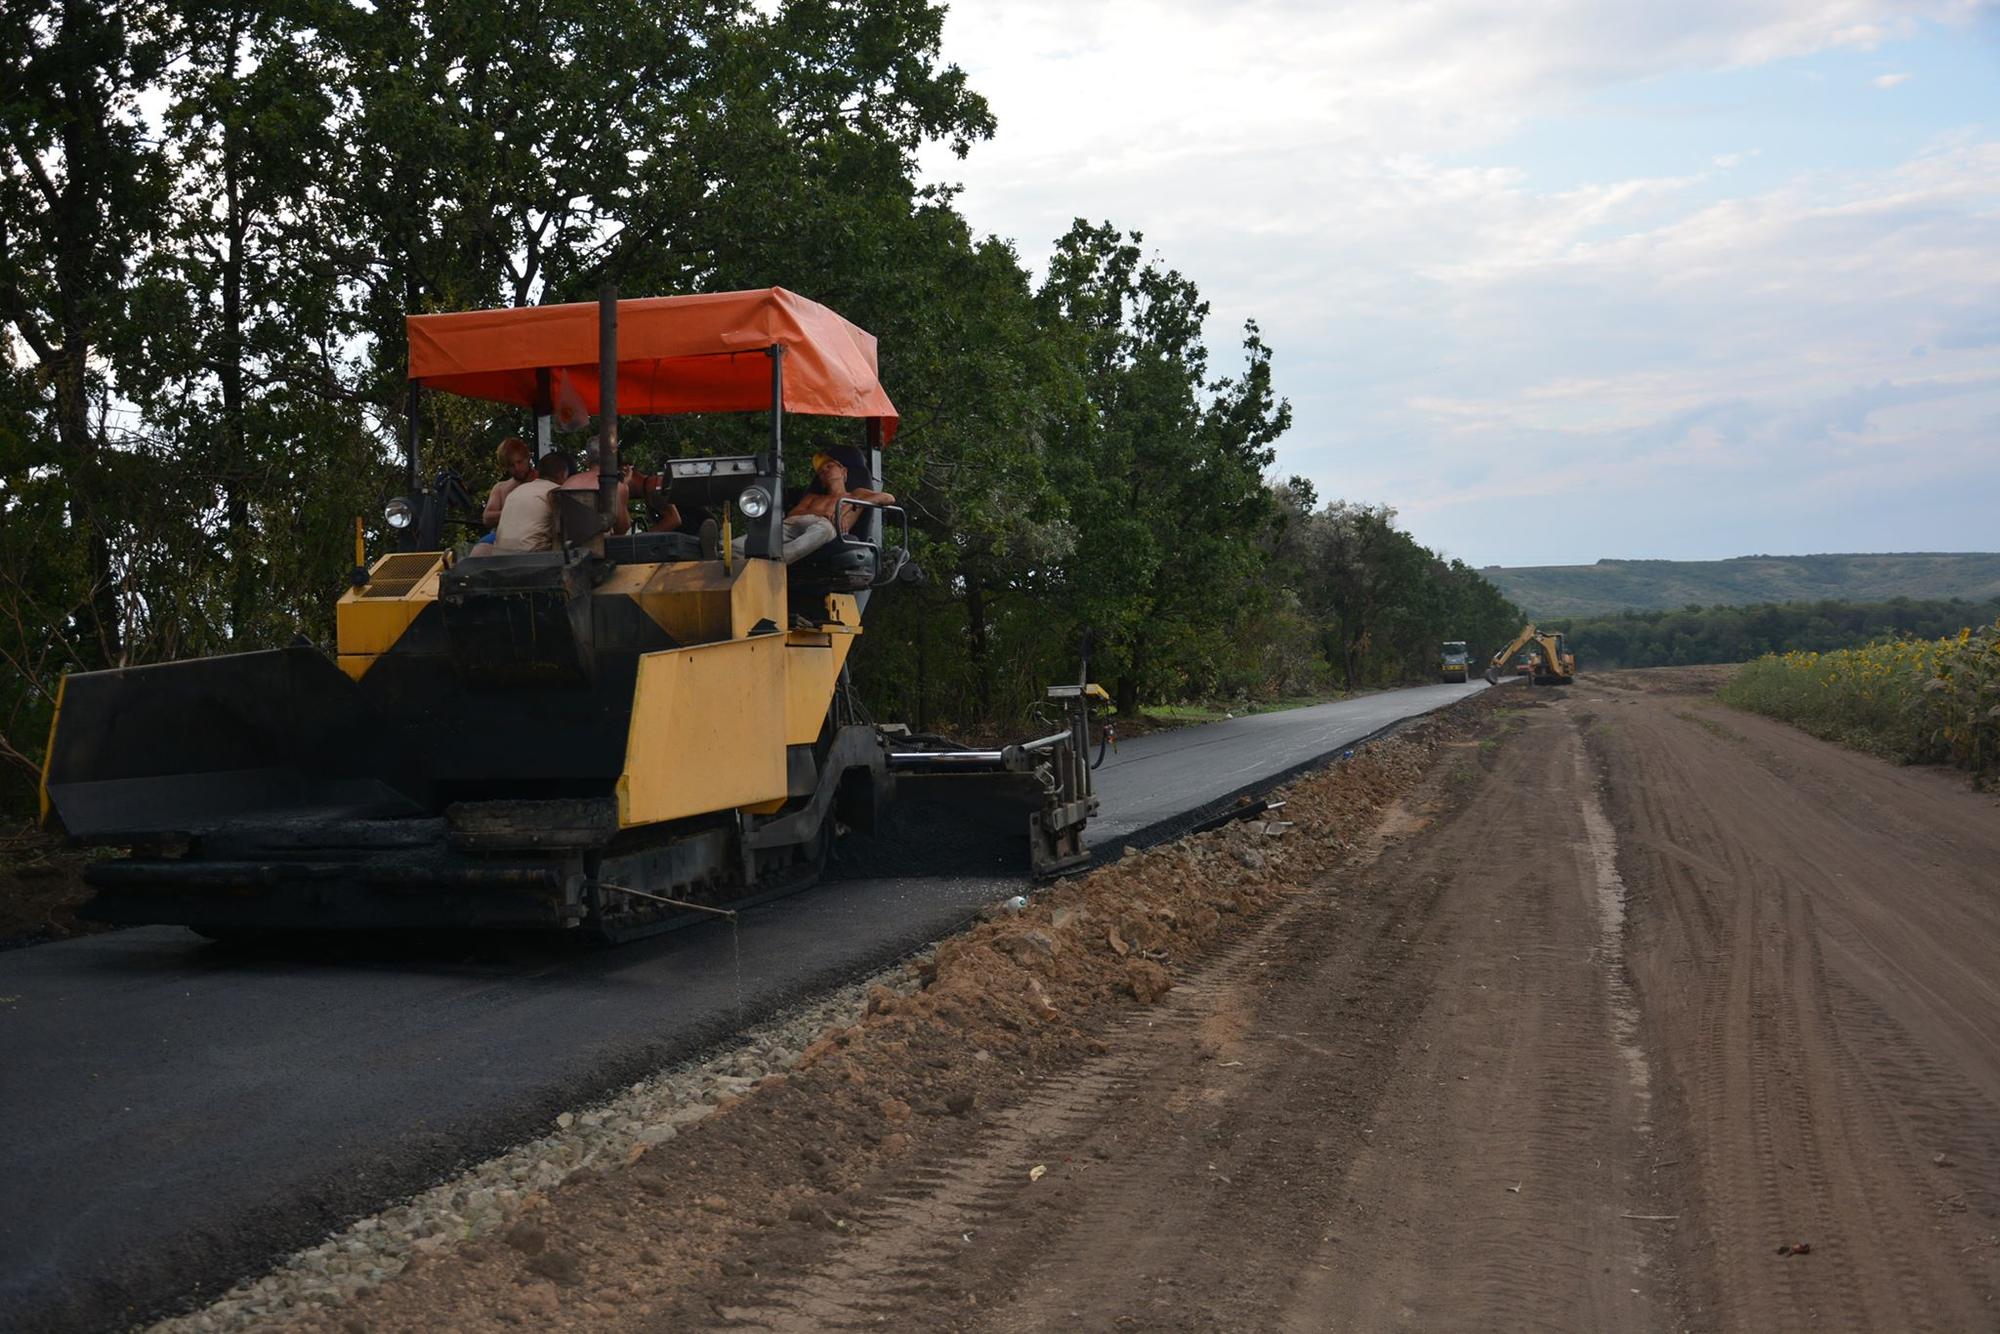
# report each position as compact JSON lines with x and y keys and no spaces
{"x":1550,"y":663}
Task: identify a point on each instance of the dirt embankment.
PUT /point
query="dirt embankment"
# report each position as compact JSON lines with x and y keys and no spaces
{"x":41,"y":887}
{"x":797,"y":1170}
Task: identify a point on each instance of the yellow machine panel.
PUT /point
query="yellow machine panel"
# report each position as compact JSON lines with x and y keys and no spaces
{"x":757,"y":594}
{"x":369,"y":620}
{"x":42,"y":791}
{"x":700,"y":602}
{"x":703,"y":736}
{"x":814,"y":659}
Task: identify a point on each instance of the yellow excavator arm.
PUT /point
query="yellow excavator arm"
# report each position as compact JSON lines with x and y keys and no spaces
{"x":1557,"y":666}
{"x":1500,"y":659}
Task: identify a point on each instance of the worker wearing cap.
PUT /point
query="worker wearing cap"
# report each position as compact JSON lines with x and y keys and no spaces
{"x":810,"y":524}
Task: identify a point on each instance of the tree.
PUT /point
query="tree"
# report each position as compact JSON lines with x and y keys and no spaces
{"x":1383,"y":602}
{"x":1164,"y":467}
{"x":79,"y":185}
{"x":235,"y":357}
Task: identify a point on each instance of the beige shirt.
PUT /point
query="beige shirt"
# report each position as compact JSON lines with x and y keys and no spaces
{"x":528,"y":519}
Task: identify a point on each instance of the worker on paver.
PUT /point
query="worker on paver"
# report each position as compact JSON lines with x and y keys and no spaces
{"x":810,"y":523}
{"x":528,"y":519}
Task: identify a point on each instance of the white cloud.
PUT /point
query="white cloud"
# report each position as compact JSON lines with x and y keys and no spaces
{"x":1889,"y":80}
{"x":1340,"y":173}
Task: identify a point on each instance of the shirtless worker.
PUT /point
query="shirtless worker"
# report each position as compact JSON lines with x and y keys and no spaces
{"x":621,"y":518}
{"x":810,"y":524}
{"x":519,"y":465}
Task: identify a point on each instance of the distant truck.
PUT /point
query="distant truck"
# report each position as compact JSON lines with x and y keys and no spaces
{"x":1454,"y":662}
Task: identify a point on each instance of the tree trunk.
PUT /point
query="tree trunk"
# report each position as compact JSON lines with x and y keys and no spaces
{"x":75,"y":236}
{"x":83,"y":463}
{"x":1126,"y":696}
{"x":976,"y":645}
{"x":235,"y":465}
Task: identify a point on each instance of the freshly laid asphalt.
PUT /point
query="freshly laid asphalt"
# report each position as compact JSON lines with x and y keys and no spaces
{"x":176,"y":1114}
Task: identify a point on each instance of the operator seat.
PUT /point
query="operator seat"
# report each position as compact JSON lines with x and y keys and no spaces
{"x":854,"y":558}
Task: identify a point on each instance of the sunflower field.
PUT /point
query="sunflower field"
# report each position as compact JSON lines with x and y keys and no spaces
{"x":1921,"y":701}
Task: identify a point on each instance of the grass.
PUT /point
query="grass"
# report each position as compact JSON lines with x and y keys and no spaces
{"x":1916,"y":701}
{"x":1506,"y":722}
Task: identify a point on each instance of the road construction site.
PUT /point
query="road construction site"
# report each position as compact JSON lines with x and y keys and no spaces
{"x":1602,"y":1007}
{"x":1578,"y":1003}
{"x":184,"y":1113}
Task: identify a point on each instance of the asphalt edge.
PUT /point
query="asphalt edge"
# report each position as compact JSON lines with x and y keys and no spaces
{"x":1163,"y":831}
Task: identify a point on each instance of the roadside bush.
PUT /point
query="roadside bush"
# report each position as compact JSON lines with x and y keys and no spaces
{"x":1919,"y":701}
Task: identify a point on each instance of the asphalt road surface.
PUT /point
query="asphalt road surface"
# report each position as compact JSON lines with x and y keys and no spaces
{"x":177,"y":1113}
{"x":1157,"y":785}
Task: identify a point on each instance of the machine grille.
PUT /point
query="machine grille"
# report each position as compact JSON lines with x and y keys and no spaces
{"x":397,"y":575}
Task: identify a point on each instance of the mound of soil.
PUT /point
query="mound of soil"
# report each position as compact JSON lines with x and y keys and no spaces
{"x":41,"y":887}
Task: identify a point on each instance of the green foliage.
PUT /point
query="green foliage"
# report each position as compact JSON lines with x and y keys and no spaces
{"x":214,"y":219}
{"x":1698,"y":635}
{"x":1380,"y":603}
{"x":1931,"y":701}
{"x":1162,"y":467}
{"x":1612,"y":586}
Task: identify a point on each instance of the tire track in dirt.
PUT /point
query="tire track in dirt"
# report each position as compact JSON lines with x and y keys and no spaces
{"x":1411,"y":1098}
{"x":1525,"y":1089}
{"x":1815,"y":938}
{"x":1096,"y":1132}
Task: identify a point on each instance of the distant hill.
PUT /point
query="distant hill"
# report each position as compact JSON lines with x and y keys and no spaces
{"x":1653,"y":585}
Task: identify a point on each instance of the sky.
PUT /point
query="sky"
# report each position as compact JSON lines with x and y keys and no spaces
{"x":1560,"y":280}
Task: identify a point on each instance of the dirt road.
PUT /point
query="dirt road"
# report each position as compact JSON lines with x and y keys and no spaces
{"x":1624,"y":992}
{"x":1816,"y":943}
{"x":1437,"y":1093}
{"x":1412,"y":1099}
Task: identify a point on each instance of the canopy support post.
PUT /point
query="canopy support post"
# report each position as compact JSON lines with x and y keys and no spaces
{"x":544,"y":407}
{"x":412,"y":473}
{"x":767,"y":537}
{"x":607,"y":402}
{"x":413,"y":477}
{"x":877,"y":521}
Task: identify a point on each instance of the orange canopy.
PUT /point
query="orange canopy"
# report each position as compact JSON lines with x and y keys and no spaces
{"x":675,"y":354}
